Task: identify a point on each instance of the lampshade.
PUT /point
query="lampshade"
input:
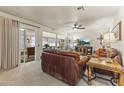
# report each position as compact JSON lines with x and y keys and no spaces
{"x":109,"y":38}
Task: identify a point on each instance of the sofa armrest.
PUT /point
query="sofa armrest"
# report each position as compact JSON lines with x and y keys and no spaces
{"x":82,"y":61}
{"x":118,"y":59}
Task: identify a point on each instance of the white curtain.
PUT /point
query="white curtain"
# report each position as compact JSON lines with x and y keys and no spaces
{"x":9,"y":39}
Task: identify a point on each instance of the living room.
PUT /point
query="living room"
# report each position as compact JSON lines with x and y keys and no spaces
{"x":96,"y":33}
{"x":63,"y":33}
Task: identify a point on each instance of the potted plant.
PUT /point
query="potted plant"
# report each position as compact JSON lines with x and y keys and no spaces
{"x":46,"y":45}
{"x":79,"y":42}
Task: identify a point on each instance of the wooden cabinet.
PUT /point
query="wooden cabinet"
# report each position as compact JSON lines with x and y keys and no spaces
{"x":85,"y":50}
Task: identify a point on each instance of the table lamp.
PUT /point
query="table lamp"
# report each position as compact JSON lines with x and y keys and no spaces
{"x":108,"y":38}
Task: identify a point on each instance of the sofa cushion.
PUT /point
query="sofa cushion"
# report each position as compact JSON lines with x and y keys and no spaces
{"x":77,"y":55}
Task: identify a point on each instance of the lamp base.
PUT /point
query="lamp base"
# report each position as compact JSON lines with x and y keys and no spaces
{"x":108,"y":60}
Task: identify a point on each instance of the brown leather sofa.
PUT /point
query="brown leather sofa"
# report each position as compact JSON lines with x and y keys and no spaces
{"x":65,"y":66}
{"x":114,"y":54}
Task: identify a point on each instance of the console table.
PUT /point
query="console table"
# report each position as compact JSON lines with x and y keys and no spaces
{"x":102,"y":64}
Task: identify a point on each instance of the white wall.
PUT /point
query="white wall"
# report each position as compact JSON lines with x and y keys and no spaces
{"x":120,"y":44}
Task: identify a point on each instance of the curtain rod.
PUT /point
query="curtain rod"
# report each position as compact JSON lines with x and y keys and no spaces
{"x":29,"y":24}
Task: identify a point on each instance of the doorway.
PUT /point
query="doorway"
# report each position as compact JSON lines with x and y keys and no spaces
{"x":26,"y":45}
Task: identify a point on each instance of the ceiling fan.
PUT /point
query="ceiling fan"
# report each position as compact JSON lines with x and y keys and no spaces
{"x":81,"y":8}
{"x":76,"y":26}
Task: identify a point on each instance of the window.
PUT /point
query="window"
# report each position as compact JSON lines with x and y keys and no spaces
{"x":60,"y":41}
{"x":49,"y":38}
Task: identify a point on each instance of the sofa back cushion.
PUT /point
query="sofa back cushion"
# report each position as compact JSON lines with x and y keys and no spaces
{"x":71,"y":54}
{"x":50,"y":51}
{"x":64,"y":53}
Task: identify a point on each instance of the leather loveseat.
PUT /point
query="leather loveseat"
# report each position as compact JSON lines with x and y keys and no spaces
{"x":65,"y":66}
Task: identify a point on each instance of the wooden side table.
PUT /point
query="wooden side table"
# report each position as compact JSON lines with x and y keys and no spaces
{"x":102,"y":64}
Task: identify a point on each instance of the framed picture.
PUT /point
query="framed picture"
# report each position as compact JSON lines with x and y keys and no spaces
{"x":117,"y":31}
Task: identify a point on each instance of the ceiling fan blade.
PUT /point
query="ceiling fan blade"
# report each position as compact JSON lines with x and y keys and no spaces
{"x":82,"y":28}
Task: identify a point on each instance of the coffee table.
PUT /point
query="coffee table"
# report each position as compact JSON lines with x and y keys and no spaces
{"x":102,"y":64}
